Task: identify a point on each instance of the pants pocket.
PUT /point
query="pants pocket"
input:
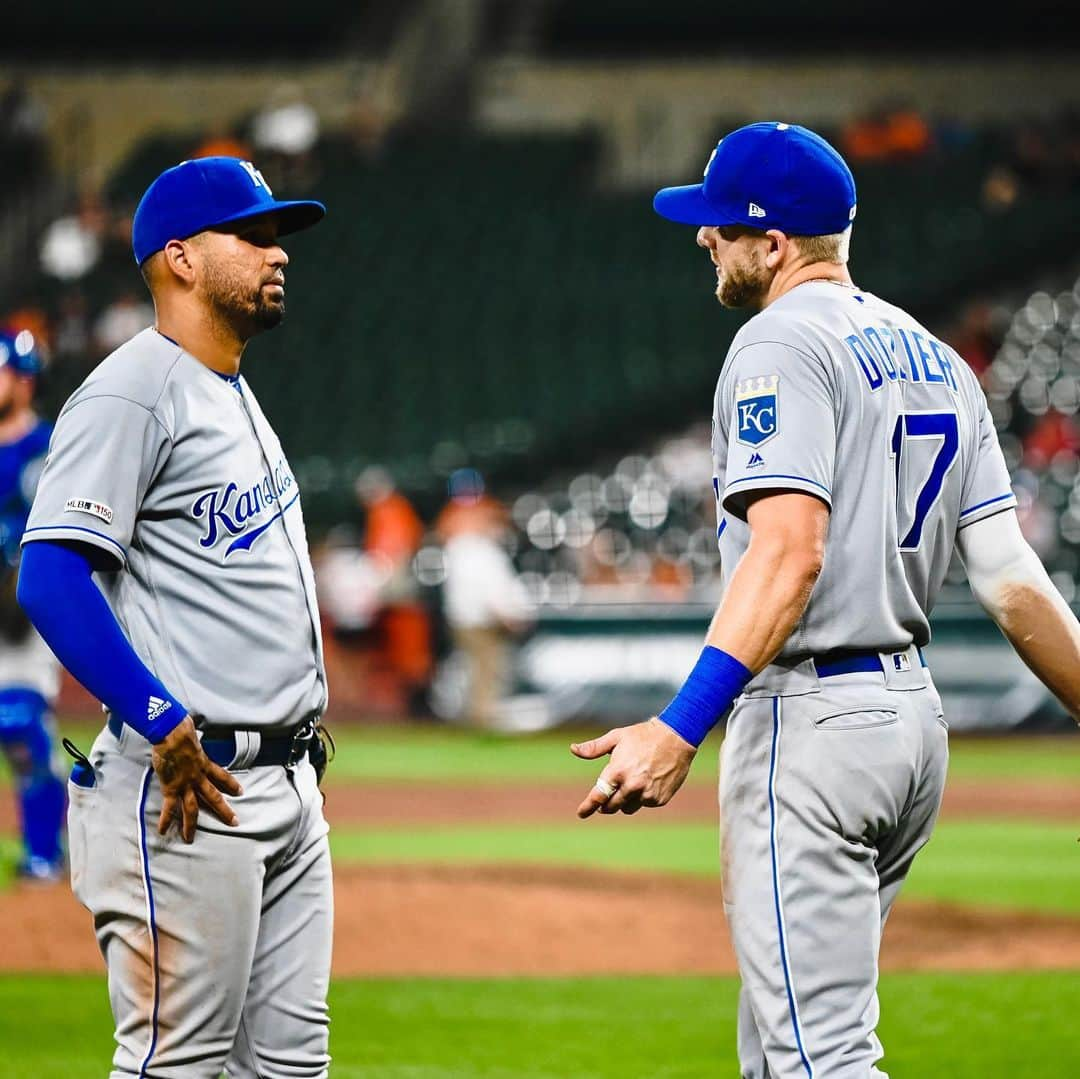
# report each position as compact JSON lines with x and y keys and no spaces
{"x":81,"y":798}
{"x":860,"y":720}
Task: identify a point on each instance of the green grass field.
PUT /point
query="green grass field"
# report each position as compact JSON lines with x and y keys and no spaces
{"x":438,"y":754}
{"x":936,"y":1026}
{"x":963,"y":1026}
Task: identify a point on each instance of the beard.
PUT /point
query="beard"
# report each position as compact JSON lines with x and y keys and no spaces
{"x":745,"y":284}
{"x":248,"y":311}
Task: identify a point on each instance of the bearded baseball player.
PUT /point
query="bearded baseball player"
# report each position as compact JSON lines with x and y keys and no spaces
{"x":166,"y":564}
{"x":853,"y":452}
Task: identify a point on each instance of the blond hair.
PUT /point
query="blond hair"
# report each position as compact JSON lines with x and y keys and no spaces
{"x":831,"y":248}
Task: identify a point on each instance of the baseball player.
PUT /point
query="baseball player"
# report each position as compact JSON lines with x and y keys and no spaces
{"x":29,"y":673}
{"x":853,"y":451}
{"x":165,"y":562}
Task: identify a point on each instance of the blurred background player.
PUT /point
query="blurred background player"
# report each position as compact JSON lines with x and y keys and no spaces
{"x":29,"y":673}
{"x":485,"y":603}
{"x":393,"y":532}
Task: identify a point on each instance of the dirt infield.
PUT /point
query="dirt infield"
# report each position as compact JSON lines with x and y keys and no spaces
{"x":543,"y":920}
{"x":424,"y":920}
{"x":391,"y":804}
{"x":379,"y":804}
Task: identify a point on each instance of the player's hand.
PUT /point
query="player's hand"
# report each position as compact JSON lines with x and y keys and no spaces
{"x":189,"y":778}
{"x":649,"y":762}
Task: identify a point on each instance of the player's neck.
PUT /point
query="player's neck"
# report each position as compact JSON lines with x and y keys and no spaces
{"x":785,"y":281}
{"x":207,"y":339}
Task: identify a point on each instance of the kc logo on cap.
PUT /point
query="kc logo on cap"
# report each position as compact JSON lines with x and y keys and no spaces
{"x":206,"y":193}
{"x":768,"y":176}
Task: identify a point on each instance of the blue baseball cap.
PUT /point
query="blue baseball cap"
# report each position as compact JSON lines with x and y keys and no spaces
{"x":206,"y":192}
{"x":19,"y":351}
{"x":768,"y":176}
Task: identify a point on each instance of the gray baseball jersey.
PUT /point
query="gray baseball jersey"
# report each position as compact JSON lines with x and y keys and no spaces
{"x":831,"y":779}
{"x":218,"y":952}
{"x":833,"y":391}
{"x":175,"y":475}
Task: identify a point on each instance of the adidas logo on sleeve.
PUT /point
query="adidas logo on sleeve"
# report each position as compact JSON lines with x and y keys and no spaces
{"x":156,"y":707}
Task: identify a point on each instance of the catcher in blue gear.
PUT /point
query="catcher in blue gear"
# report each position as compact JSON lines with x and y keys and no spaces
{"x":29,"y":673}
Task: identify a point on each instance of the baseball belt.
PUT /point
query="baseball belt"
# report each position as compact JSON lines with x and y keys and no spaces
{"x":849,"y":661}
{"x":223,"y":744}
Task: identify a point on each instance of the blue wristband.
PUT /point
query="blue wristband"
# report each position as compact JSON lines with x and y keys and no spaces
{"x":714,"y":683}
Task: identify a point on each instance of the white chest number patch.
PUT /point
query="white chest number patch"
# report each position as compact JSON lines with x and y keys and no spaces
{"x":88,"y":505}
{"x":756,"y":415}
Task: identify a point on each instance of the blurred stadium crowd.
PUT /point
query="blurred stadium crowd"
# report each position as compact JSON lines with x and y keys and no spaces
{"x":556,"y":417}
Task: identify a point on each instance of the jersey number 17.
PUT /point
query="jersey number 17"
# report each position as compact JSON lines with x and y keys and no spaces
{"x":922,"y":425}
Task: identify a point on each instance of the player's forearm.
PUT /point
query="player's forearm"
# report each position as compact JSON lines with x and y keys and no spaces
{"x":57,"y":591}
{"x":1037,"y":622}
{"x":765,"y":598}
{"x":1011,"y":584}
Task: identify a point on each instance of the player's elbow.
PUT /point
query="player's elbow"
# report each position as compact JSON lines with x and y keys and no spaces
{"x":788,"y":531}
{"x":29,"y":592}
{"x":806,"y":567}
{"x":789,"y":556}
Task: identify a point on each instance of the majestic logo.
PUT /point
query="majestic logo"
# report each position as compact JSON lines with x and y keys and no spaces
{"x":756,"y":409}
{"x":230,"y":511}
{"x":155,"y":707}
{"x":755,"y":460}
{"x":88,"y":505}
{"x":755,"y":210}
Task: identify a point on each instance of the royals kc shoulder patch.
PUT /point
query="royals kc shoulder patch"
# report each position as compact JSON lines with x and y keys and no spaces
{"x":756,"y":417}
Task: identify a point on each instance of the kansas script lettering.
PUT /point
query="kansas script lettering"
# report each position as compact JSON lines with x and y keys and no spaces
{"x":226,"y":514}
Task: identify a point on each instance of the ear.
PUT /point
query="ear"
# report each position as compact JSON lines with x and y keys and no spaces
{"x":179,"y":260}
{"x":778,"y":248}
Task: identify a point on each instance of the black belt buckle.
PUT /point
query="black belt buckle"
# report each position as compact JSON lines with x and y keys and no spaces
{"x":300,"y":742}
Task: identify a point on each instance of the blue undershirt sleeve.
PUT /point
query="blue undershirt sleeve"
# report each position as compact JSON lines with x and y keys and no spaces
{"x":56,"y":589}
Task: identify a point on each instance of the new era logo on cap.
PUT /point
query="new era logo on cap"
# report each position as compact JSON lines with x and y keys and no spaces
{"x":805,"y":186}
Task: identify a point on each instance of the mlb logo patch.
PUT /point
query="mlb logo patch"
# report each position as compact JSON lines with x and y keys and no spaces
{"x":756,"y":419}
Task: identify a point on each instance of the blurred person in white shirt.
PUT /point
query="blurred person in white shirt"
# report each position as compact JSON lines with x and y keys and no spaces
{"x":71,"y":246}
{"x":485,"y":603}
{"x":120,"y":321}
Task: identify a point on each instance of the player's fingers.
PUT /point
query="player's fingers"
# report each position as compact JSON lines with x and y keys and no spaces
{"x":596,"y":747}
{"x":223,"y":779}
{"x":623,"y":797}
{"x":190,"y":808}
{"x":212,"y":798}
{"x":168,"y":811}
{"x":593,"y":801}
{"x":601,"y":791}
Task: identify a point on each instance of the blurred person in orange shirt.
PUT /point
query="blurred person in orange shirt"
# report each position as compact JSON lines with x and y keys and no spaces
{"x":890,"y":131}
{"x":393,"y":532}
{"x":1053,"y":433}
{"x":220,"y":141}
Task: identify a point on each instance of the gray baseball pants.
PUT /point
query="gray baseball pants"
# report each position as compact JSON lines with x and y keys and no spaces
{"x":827,"y":792}
{"x":218,"y":953}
